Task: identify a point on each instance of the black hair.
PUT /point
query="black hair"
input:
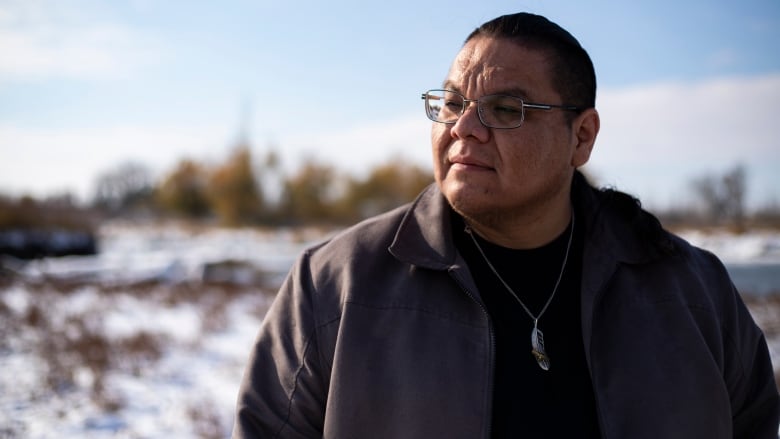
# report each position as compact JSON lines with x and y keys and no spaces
{"x":572,"y":73}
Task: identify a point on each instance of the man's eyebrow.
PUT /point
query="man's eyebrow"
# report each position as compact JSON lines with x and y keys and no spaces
{"x":448,"y":85}
{"x":512,"y":91}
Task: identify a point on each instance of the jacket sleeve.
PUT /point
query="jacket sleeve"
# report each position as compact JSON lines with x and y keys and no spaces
{"x":283,"y":394}
{"x":750,"y":379}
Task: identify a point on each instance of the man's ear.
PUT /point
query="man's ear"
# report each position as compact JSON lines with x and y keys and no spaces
{"x":585,"y":128}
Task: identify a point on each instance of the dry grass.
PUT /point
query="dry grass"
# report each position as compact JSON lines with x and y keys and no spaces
{"x":78,"y":354}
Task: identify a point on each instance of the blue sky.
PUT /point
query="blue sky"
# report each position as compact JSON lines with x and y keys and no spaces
{"x":685,"y":88}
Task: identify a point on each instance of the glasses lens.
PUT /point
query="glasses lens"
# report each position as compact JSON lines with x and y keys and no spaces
{"x":495,"y":111}
{"x":500,"y":111}
{"x":443,"y":106}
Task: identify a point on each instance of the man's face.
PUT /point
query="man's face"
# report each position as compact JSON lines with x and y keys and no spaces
{"x":495,"y":175}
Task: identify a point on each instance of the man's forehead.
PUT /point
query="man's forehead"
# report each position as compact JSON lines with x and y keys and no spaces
{"x":495,"y":62}
{"x":479,"y":56}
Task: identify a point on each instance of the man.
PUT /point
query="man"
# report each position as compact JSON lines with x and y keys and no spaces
{"x":511,"y":299}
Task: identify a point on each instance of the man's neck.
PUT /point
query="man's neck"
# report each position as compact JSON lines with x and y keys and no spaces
{"x":523,"y":231}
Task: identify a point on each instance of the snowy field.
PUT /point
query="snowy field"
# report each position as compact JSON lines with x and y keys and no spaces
{"x":149,"y":338}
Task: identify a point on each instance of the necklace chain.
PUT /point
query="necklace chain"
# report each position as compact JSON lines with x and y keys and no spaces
{"x":506,"y":285}
{"x":537,"y":338}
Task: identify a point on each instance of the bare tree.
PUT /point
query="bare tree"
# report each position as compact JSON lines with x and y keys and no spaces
{"x":124,"y":188}
{"x":723,"y":196}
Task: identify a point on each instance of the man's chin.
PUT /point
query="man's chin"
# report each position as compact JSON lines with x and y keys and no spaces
{"x":472,"y":207}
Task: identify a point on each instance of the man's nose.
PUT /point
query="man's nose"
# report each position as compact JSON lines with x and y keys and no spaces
{"x":469,"y":123}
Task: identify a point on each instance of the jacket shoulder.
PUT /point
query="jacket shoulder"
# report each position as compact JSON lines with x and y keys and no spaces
{"x":702,"y":263}
{"x":370,"y":237}
{"x":620,"y":226}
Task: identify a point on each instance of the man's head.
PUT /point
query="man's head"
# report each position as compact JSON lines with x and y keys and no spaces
{"x":503,"y":178}
{"x":572,"y":70}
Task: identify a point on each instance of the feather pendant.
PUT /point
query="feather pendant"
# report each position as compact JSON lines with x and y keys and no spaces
{"x":537,"y":343}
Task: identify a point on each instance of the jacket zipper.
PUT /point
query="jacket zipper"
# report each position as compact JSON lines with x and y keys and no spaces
{"x":491,"y":364}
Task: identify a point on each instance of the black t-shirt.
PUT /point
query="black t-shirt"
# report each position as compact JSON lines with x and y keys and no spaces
{"x":527,"y":400}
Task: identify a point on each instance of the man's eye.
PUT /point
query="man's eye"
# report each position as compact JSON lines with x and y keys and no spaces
{"x":453,"y":105}
{"x":507,"y":109}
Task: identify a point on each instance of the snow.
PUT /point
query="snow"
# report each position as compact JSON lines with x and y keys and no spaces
{"x":194,"y":381}
{"x":133,"y":343}
{"x":762,"y":247}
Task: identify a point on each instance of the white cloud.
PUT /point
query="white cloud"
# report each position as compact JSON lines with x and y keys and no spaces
{"x":43,"y":39}
{"x":655,"y":138}
{"x":44,"y":162}
{"x":359,"y":147}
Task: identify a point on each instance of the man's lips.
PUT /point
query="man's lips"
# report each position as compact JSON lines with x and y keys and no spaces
{"x":469,"y":163}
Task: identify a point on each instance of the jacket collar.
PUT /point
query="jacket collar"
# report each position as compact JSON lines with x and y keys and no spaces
{"x":617,"y":230}
{"x":424,"y":237}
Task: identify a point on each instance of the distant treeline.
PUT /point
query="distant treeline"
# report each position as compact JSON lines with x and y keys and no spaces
{"x":240,"y":191}
{"x":719,"y":200}
{"x":245,"y":191}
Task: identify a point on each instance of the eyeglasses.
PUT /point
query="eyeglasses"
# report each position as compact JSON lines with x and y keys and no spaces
{"x":495,"y":111}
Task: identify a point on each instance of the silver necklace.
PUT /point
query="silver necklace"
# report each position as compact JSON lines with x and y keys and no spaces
{"x":537,"y":337}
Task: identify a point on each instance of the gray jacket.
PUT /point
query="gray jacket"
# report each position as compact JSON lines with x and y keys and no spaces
{"x":380,"y":333}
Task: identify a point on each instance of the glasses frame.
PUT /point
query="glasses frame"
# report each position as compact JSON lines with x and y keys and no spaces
{"x":524,"y":105}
